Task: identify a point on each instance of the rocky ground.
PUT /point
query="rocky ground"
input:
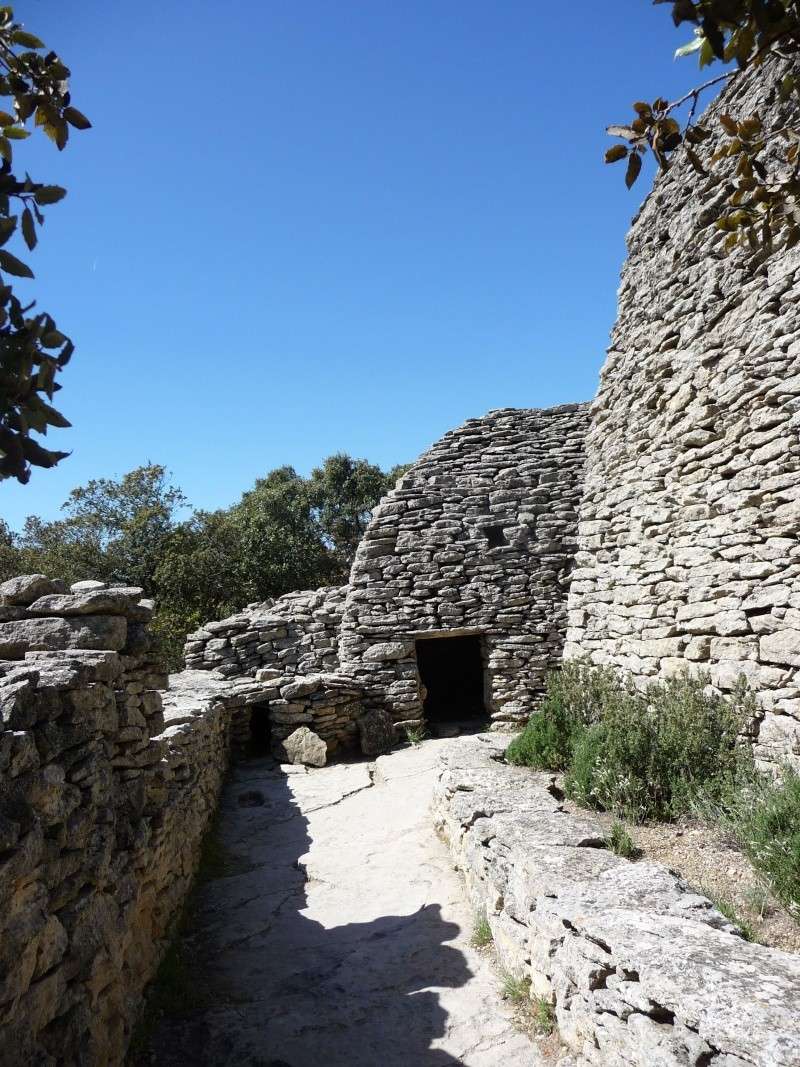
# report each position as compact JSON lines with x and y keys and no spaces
{"x":335,"y":930}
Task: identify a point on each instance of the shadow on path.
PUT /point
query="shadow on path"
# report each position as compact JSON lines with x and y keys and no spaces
{"x":271,"y":987}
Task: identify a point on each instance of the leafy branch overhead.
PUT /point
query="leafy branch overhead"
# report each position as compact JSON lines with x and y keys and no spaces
{"x":35,"y":84}
{"x":761,"y":206}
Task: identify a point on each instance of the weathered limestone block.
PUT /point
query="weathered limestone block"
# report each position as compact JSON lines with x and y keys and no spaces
{"x":51,"y":634}
{"x":306,"y":747}
{"x":376,"y":732}
{"x":639,"y":968}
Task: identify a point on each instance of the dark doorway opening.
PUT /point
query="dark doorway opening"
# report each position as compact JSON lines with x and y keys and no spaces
{"x":451,"y":670}
{"x":260,"y":731}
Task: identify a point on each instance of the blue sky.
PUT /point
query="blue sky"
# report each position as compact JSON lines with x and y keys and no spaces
{"x":301,"y":227}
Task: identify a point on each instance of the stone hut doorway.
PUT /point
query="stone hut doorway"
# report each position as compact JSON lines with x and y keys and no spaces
{"x":452,"y":673}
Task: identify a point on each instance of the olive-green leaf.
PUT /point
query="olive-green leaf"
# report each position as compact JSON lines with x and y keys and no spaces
{"x":49,"y":194}
{"x":616,"y":152}
{"x":634,"y":167}
{"x":29,"y":229}
{"x":16,"y":133}
{"x":76,"y":118}
{"x":11,"y":265}
{"x":27,"y":40}
{"x":7,"y":227}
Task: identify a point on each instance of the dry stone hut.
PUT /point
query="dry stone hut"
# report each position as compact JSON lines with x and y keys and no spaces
{"x":456,"y":604}
{"x":456,"y":601}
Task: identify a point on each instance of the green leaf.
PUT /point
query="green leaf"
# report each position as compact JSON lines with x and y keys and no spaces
{"x":49,"y":194}
{"x":694,"y":159}
{"x":15,"y":133}
{"x":7,"y":227}
{"x":76,"y":118}
{"x":27,"y":40}
{"x":616,"y":152}
{"x":634,"y":167}
{"x":11,"y":265}
{"x":53,"y":339}
{"x":29,"y":229}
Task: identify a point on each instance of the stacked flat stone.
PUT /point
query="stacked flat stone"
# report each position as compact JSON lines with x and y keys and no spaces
{"x":639,"y":969}
{"x":430,"y":562}
{"x":105,"y":792}
{"x":296,"y":634}
{"x":328,"y":704}
{"x":688,"y":546}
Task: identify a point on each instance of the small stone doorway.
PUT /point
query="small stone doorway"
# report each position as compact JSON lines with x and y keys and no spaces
{"x":451,"y":670}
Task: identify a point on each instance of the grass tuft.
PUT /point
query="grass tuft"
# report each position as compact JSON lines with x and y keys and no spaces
{"x":481,"y":932}
{"x":517,"y":990}
{"x":621,"y":842}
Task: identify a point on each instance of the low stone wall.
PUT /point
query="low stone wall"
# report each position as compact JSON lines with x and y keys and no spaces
{"x":296,"y":634}
{"x":640,"y":969}
{"x":107,"y":785}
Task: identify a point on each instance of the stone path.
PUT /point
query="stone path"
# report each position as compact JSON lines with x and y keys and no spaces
{"x":344,"y":937}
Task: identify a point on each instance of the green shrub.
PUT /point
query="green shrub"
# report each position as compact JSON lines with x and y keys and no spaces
{"x":517,"y":990}
{"x":575,"y":697}
{"x":763,"y":814}
{"x":641,"y":753}
{"x":544,"y":1016}
{"x":654,"y":750}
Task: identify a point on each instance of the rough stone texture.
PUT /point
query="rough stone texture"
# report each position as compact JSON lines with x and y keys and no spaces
{"x":426,"y":565}
{"x":305,"y":747}
{"x":376,"y":732}
{"x":688,"y":541}
{"x":105,"y":792}
{"x":296,"y":634}
{"x":326,"y":945}
{"x":641,"y":970}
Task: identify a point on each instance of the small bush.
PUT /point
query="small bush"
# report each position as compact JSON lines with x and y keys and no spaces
{"x":575,"y":697}
{"x":481,"y":932}
{"x":641,"y":753}
{"x":416,"y":734}
{"x":621,"y":842}
{"x":763,"y":814}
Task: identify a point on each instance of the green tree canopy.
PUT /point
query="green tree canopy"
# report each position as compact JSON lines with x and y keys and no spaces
{"x":32,"y":349}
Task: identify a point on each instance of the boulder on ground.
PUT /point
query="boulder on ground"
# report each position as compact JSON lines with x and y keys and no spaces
{"x":306,"y":747}
{"x":376,"y":733}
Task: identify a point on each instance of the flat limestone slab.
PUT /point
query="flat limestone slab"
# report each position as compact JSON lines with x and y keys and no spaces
{"x":340,"y":935}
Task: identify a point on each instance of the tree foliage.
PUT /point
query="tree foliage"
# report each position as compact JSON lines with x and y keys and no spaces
{"x":287,"y":532}
{"x":761,"y":207}
{"x":32,"y":348}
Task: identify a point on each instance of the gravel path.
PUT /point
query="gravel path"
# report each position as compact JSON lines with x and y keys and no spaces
{"x":339,"y":934}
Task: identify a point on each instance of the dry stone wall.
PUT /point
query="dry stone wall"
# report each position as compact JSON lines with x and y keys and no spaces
{"x":291,"y":646}
{"x":107,"y":784}
{"x":296,"y":634}
{"x":477,"y":538}
{"x":640,"y":969}
{"x":688,"y":542}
